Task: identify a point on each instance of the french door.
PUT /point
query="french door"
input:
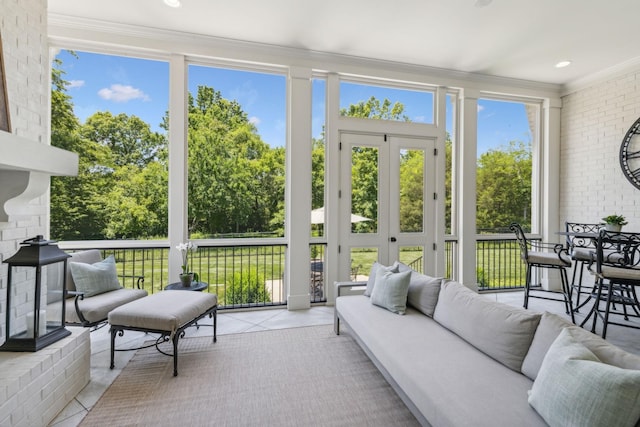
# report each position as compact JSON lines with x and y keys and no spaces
{"x":387,"y":200}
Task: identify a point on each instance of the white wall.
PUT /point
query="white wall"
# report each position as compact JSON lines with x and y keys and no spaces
{"x":23,"y":28}
{"x":593,"y":122}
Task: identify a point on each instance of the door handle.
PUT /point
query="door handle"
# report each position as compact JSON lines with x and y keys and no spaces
{"x":392,"y":239}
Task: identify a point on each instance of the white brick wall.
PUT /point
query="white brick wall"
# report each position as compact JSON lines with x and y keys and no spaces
{"x":23,"y":29}
{"x":593,"y":122}
{"x":34,"y":387}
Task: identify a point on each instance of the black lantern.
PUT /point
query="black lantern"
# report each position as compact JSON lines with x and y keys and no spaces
{"x":36,"y":294}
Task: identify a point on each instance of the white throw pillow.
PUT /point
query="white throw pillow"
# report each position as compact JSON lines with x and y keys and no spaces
{"x":371,"y":282}
{"x":97,"y":278}
{"x":574,"y":388}
{"x":390,"y":290}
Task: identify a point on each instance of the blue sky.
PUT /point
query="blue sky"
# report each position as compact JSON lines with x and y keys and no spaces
{"x":141,"y":87}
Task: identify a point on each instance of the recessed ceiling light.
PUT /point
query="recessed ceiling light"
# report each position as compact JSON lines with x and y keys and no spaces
{"x":563,"y":64}
{"x":172,"y":3}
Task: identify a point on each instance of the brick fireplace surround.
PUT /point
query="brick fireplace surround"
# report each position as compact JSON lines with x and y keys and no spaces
{"x":34,"y":387}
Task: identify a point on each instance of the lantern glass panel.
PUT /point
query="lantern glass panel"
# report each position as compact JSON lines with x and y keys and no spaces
{"x":53,"y":293}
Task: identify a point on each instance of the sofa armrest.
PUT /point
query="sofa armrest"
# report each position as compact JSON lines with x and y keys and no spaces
{"x":349,"y":288}
{"x":344,"y":289}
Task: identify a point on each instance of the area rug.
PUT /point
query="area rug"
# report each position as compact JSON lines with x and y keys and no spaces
{"x":288,"y":377}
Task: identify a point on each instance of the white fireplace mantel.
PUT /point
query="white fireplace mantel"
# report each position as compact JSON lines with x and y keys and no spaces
{"x":25,"y":170}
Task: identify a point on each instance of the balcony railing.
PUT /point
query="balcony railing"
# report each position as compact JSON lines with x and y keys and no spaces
{"x":252,"y":275}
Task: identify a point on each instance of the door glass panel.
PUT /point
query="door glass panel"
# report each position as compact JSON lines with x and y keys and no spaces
{"x":364,"y":189}
{"x":413,"y":256}
{"x":362,"y":260}
{"x":411,"y":191}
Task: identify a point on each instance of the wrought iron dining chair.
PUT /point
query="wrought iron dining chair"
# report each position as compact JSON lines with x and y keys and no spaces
{"x":580,"y":248}
{"x":616,"y":265}
{"x":553,"y":256}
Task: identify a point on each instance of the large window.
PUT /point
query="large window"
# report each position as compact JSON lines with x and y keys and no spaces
{"x":236,"y":138}
{"x":110,"y":110}
{"x":506,"y":132}
{"x":386,"y":103}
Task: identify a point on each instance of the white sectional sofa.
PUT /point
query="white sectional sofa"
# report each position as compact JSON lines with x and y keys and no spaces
{"x":457,"y":358}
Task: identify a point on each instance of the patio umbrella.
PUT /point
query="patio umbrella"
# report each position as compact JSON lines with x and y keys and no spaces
{"x":317,"y":217}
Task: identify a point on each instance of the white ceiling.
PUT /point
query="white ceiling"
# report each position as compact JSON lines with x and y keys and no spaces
{"x":520,"y":39}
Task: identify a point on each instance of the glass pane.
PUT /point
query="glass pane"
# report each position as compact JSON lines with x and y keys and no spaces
{"x":386,"y":103}
{"x":318,"y":112}
{"x":362,"y":260}
{"x":364,"y":189}
{"x":505,"y":135}
{"x":112,"y":111}
{"x":52,"y":281}
{"x":448,"y":184}
{"x":236,"y":159}
{"x":411,"y":191}
{"x":413,"y":256}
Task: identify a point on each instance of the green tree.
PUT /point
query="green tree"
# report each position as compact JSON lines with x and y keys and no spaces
{"x":412,"y":191}
{"x":74,"y":213}
{"x":374,"y":109}
{"x":236,"y":181}
{"x":504,"y":187}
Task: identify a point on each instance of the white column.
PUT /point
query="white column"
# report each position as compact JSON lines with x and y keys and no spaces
{"x":177,"y":161}
{"x":333,"y":270}
{"x":466,"y":173}
{"x":298,"y":195}
{"x":550,"y":185}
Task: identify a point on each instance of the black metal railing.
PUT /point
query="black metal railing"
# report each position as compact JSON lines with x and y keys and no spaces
{"x":249,"y":275}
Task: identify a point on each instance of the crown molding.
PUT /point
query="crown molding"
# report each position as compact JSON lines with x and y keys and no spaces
{"x":82,"y":33}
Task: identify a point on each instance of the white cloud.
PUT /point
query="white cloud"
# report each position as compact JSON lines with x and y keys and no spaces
{"x":254,"y":120}
{"x":480,"y":108}
{"x":122,"y":93}
{"x":75,"y":83}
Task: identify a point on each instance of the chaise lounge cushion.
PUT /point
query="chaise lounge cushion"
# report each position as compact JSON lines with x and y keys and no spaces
{"x":96,"y":308}
{"x":499,"y":330}
{"x":164,"y":311}
{"x":574,"y":388}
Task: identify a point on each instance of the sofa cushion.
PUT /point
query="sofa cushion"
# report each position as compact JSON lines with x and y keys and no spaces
{"x":371,"y":281}
{"x":423,"y":292}
{"x":449,"y":381}
{"x":548,"y":330}
{"x":499,"y":330}
{"x":97,"y":278}
{"x":390,"y":290}
{"x":574,"y":388}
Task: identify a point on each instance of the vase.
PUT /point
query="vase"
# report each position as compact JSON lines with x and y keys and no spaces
{"x":186,"y":279}
{"x":613,"y":227}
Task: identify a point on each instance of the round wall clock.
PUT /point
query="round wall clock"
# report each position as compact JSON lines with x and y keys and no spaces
{"x":630,"y":154}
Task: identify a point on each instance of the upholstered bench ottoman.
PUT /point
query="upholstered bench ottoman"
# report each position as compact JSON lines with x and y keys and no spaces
{"x":167,"y":313}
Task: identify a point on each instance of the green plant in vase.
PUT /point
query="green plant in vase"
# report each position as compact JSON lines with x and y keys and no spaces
{"x":614,"y":222}
{"x":187,"y":276}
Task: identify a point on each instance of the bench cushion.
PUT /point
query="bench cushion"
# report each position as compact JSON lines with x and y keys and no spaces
{"x":164,"y":311}
{"x":96,"y":308}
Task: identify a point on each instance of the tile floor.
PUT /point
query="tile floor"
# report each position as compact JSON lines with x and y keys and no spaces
{"x":231,"y":322}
